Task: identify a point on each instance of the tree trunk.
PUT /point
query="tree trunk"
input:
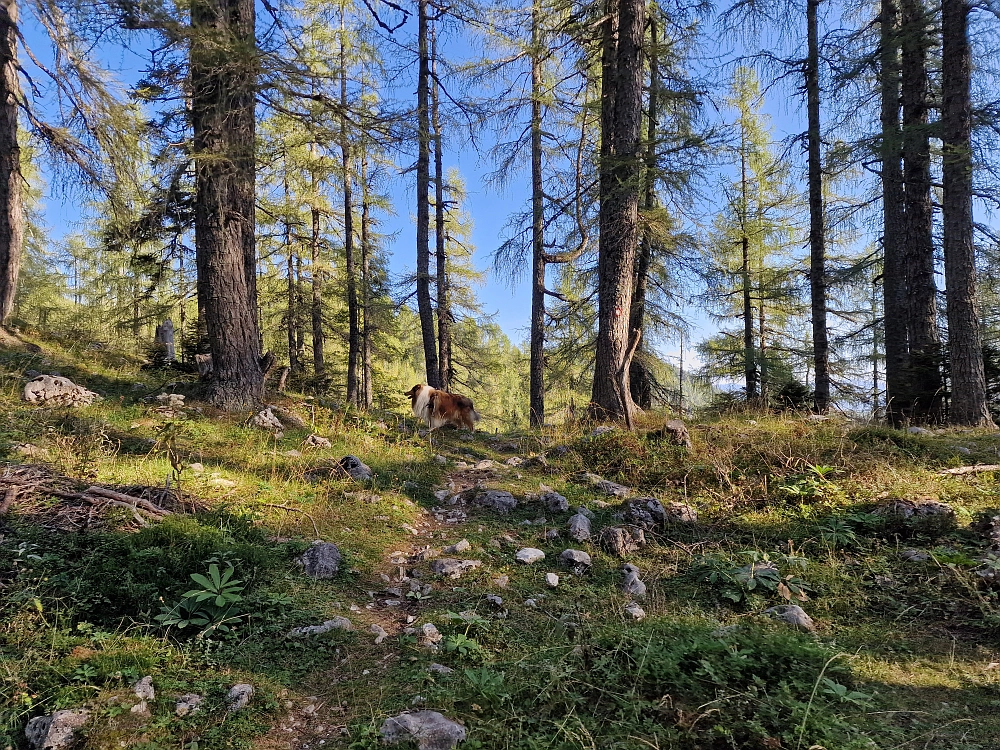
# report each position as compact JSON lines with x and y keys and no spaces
{"x":894,"y":281}
{"x":353,"y":332}
{"x":619,"y":216}
{"x":291,"y":313}
{"x":749,"y":350}
{"x":367,"y":372}
{"x":965,"y":346}
{"x":424,"y":308}
{"x":318,"y":336}
{"x":11,"y":207}
{"x":817,"y":233}
{"x":925,"y":376}
{"x":223,"y":78}
{"x":445,"y":370}
{"x":536,"y":385}
{"x":640,"y":381}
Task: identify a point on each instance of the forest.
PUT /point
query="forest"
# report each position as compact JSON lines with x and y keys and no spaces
{"x":256,"y":170}
{"x":718,"y":282}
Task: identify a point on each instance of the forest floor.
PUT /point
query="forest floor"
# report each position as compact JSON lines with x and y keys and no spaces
{"x":905,"y":650}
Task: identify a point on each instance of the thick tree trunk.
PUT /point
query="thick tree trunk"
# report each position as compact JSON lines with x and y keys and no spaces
{"x":223,"y":87}
{"x":11,"y":207}
{"x":965,"y":346}
{"x":367,"y":371}
{"x":424,"y":307}
{"x":536,"y":376}
{"x":353,"y":329}
{"x":445,"y":370}
{"x":894,"y":281}
{"x":619,"y":218}
{"x":817,"y":233}
{"x":639,"y":379}
{"x":925,"y":375}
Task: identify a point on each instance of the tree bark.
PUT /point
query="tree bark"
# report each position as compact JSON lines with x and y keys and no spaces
{"x":445,"y":370}
{"x":318,"y":335}
{"x":291,"y":308}
{"x":925,"y":376}
{"x":11,"y":202}
{"x":619,"y":216}
{"x":965,"y":346}
{"x":353,"y":331}
{"x":749,"y":350}
{"x":367,"y":371}
{"x":894,"y":281}
{"x":424,"y":308}
{"x":223,"y":78}
{"x":536,"y":385}
{"x":817,"y":233}
{"x":639,"y":379}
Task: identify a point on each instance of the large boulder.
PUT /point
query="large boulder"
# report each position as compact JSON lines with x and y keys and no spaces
{"x":429,"y":729}
{"x":579,"y":527}
{"x":55,"y":390}
{"x":321,"y":560}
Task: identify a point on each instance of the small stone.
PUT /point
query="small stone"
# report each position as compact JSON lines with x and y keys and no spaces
{"x":379,"y":631}
{"x":530,"y":603}
{"x":321,"y":560}
{"x":430,"y":636}
{"x":483,"y":465}
{"x":585,"y":511}
{"x":535,"y":462}
{"x":962,"y":450}
{"x":239,"y":696}
{"x":603,"y":485}
{"x":196,"y":468}
{"x":677,"y":432}
{"x":555,"y":502}
{"x":908,"y":509}
{"x":636,"y":611}
{"x":579,"y":527}
{"x":56,"y":731}
{"x":793,"y":615}
{"x":187,"y":704}
{"x":293,"y":454}
{"x":632,"y":585}
{"x":502,"y":581}
{"x":498,"y":500}
{"x":266,"y":420}
{"x":602,"y":430}
{"x":143,"y":689}
{"x":460,"y":546}
{"x":514,"y":461}
{"x":316,"y":441}
{"x":356,"y":468}
{"x":552,"y":579}
{"x":577,"y":560}
{"x":452,"y":568}
{"x":646,"y":512}
{"x":337,"y":623}
{"x":622,"y":540}
{"x":494,"y":600}
{"x":429,"y":729}
{"x":551,"y":534}
{"x":529,"y":555}
{"x":439,"y":668}
{"x":220,"y":482}
{"x":914,"y":555}
{"x":920,"y":431}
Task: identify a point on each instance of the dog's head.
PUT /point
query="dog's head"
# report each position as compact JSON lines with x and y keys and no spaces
{"x":414,"y":392}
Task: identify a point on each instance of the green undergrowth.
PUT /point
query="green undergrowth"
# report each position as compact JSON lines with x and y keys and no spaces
{"x":903,"y":655}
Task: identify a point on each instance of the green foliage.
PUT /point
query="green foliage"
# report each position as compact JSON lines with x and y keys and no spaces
{"x":211,"y":607}
{"x":760,"y":578}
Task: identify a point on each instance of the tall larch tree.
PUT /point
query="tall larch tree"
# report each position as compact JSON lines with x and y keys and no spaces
{"x":620,"y":168}
{"x":965,"y":348}
{"x":223,"y":78}
{"x":11,"y":204}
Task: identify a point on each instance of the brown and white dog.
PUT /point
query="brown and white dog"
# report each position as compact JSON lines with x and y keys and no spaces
{"x":438,"y":408}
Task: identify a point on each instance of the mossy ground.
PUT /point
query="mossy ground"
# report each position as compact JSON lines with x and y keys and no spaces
{"x":906,"y":654}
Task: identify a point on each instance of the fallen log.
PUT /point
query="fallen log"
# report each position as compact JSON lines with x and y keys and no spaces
{"x":978,"y":468}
